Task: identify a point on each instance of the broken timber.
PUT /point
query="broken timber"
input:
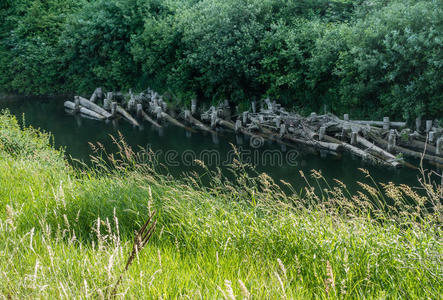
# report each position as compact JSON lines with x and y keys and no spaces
{"x":376,"y":141}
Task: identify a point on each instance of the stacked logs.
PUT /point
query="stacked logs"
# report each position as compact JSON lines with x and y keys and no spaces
{"x":381,"y":142}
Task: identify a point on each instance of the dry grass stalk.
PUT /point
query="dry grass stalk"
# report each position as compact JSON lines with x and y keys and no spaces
{"x":141,"y":238}
{"x":329,"y":282}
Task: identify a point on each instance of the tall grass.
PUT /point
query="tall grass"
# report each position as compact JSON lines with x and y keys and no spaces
{"x":67,"y":232}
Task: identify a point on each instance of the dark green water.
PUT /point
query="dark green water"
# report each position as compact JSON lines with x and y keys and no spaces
{"x":176,"y":148}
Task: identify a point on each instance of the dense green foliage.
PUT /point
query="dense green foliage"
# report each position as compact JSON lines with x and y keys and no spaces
{"x":66,"y":233}
{"x":371,"y":58}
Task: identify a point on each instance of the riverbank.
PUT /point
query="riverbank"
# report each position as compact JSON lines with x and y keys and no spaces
{"x":68,"y":233}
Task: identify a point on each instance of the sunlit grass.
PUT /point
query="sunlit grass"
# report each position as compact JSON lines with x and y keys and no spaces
{"x":68,"y":233}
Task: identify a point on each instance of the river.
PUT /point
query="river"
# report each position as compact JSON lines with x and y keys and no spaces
{"x":177,"y":148}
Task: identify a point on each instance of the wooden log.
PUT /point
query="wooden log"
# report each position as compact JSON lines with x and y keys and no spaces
{"x":380,"y":123}
{"x":147,"y":118}
{"x":83,"y":110}
{"x":172,"y":120}
{"x":391,"y":159}
{"x":417,"y":145}
{"x":356,"y":151}
{"x":317,"y":144}
{"x":127,"y":115}
{"x":94,"y":107}
{"x":226,"y":124}
{"x":408,"y":152}
{"x":200,"y":125}
{"x":70,"y":105}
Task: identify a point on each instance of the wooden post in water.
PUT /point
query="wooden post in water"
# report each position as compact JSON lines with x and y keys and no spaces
{"x":313,"y":114}
{"x":193,"y":106}
{"x":439,"y":150}
{"x":139,"y":110}
{"x":97,"y":94}
{"x":354,"y":138}
{"x":106,"y":103}
{"x":321,"y":133}
{"x":213,"y":119}
{"x":188,"y":115}
{"x":346,"y":117}
{"x":113,"y":108}
{"x":158,"y":112}
{"x":282,"y":129}
{"x":239,"y":139}
{"x":391,"y":140}
{"x":418,"y":124}
{"x":245,"y":117}
{"x":431,"y":137}
{"x":76,"y":104}
{"x":254,"y":106}
{"x":237,"y":125}
{"x":428,"y":125}
{"x":277,"y":121}
{"x":386,"y":123}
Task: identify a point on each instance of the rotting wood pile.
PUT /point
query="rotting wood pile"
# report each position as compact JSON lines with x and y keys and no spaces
{"x":380,"y":142}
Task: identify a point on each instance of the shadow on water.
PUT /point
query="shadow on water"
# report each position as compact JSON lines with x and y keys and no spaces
{"x":177,"y":148}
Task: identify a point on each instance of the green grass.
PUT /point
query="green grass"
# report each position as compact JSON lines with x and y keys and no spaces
{"x":67,"y":232}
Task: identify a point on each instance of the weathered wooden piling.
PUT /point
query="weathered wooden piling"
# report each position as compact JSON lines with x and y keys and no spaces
{"x":245,"y":117}
{"x":346,"y":117}
{"x":193,"y":106}
{"x":139,"y":110}
{"x":107,"y":104}
{"x":282,"y":129}
{"x":321,"y":133}
{"x":354,"y":138}
{"x":418,"y":124}
{"x":254,"y":106}
{"x":439,"y":147}
{"x":238,"y":125}
{"x":386,"y":123}
{"x":113,"y":108}
{"x":431,"y":136}
{"x":391,"y":140}
{"x":428,"y":125}
{"x":77,"y":105}
{"x":97,"y":94}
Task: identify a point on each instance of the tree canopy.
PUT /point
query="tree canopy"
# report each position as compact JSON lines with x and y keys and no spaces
{"x":371,"y":58}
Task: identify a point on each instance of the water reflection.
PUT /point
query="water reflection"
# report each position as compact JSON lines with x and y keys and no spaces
{"x":74,"y":133}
